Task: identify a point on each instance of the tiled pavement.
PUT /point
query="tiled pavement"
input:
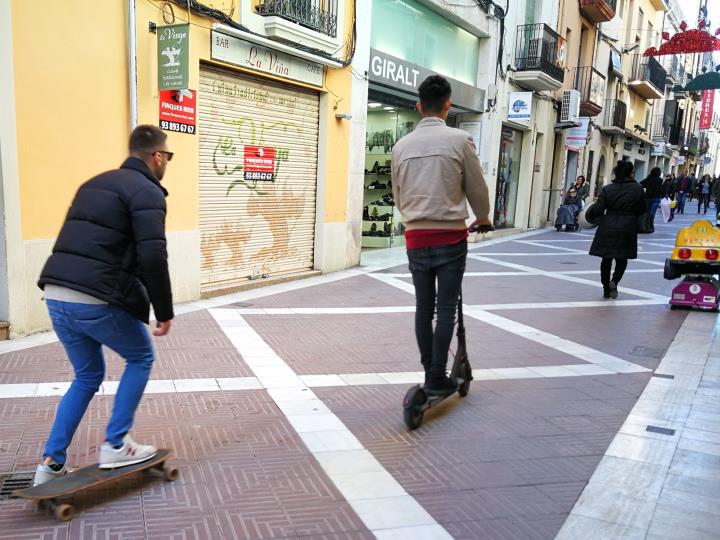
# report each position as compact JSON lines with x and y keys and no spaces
{"x":282,"y":406}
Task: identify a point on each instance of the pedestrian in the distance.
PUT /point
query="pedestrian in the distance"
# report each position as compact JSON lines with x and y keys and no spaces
{"x":435,"y":169}
{"x":617,"y":209}
{"x":703,"y":191}
{"x":108,"y":265}
{"x":653,"y":190}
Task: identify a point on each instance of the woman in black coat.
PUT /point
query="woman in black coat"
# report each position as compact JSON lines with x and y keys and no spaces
{"x":617,"y":208}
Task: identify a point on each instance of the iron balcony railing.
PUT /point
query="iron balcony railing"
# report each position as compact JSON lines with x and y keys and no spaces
{"x":660,"y":130}
{"x":539,"y":47}
{"x":673,"y":67}
{"x":646,"y":68}
{"x":615,"y":113}
{"x":318,"y":15}
{"x":591,"y":85}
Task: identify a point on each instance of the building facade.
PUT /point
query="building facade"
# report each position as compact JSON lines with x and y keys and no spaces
{"x":262,"y":134}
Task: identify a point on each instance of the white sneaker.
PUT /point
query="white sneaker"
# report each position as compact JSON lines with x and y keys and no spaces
{"x":128,"y":454}
{"x":44,"y":473}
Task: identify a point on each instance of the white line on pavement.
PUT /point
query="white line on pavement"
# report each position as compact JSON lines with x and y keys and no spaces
{"x":378,"y":499}
{"x":556,"y":275}
{"x":565,"y":346}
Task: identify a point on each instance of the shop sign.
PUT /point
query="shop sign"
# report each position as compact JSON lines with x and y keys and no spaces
{"x":178,"y":110}
{"x":173,"y":47}
{"x":658,"y":150}
{"x":264,"y":60}
{"x":520,"y":107}
{"x":259,"y":165}
{"x":577,"y":136}
{"x":707,"y":109}
{"x":681,"y":160}
{"x":399,"y":74}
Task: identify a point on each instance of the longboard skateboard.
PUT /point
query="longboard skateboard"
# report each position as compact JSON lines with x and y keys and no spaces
{"x":87,"y":477}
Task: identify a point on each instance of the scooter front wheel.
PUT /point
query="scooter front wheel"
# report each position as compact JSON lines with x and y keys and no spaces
{"x":413,"y":410}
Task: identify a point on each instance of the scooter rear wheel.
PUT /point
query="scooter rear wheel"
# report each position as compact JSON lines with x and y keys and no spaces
{"x":413,"y":409}
{"x":464,"y":388}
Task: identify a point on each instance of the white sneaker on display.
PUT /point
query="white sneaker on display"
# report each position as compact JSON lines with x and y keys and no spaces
{"x":128,"y":454}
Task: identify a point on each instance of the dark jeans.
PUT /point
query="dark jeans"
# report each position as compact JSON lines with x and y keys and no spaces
{"x":681,"y":202}
{"x":703,"y":199}
{"x":437,"y":275}
{"x":653,"y":206}
{"x":606,"y":265}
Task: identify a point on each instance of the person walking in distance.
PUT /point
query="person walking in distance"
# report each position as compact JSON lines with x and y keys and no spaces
{"x":703,"y":190}
{"x":617,"y":208}
{"x":653,"y":190}
{"x":682,"y":191}
{"x":434,"y":170}
{"x":108,"y":265}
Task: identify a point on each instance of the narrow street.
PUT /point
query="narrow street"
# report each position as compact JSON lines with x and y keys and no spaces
{"x":283,"y":409}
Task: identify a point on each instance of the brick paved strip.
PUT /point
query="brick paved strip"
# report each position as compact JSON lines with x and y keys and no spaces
{"x":377,"y":498}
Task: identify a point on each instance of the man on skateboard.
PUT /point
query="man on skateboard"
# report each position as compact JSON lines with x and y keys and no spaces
{"x":434,"y":170}
{"x":108,"y":265}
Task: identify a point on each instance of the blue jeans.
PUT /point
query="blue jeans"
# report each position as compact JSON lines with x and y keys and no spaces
{"x":437,"y":275}
{"x":83,"y":329}
{"x":681,"y":202}
{"x":653,"y":205}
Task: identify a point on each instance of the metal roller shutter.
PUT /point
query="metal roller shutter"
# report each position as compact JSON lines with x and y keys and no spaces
{"x":254,"y":228}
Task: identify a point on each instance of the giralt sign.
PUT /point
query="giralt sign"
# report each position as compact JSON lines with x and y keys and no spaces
{"x":399,"y":74}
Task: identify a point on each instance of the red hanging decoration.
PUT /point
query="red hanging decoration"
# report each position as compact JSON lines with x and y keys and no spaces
{"x":701,"y":24}
{"x":692,"y":41}
{"x":666,"y":35}
{"x":717,"y":32}
{"x":683,"y":26}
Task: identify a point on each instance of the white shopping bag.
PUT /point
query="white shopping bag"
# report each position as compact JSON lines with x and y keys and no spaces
{"x":665,"y":209}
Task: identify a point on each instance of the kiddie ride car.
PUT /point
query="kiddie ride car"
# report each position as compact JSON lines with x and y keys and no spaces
{"x":696,"y":257}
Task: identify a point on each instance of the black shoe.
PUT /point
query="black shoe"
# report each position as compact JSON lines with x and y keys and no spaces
{"x":613,"y":289}
{"x":440,"y":387}
{"x":606,"y":292}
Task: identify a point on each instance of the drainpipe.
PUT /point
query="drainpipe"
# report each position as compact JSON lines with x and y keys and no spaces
{"x":132,"y":63}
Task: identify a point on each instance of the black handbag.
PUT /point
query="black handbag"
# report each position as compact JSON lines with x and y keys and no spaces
{"x":645,"y":224}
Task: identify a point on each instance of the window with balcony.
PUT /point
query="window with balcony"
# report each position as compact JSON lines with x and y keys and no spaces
{"x":615,"y":116}
{"x":318,"y":15}
{"x":598,"y":11}
{"x":648,"y":77}
{"x":540,"y":57}
{"x":591,"y":85}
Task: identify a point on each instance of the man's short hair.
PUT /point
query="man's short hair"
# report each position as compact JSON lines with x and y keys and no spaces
{"x":146,"y":139}
{"x":434,"y":92}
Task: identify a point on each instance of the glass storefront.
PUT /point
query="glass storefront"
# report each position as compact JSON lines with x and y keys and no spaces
{"x":389,"y":119}
{"x":508,"y":178}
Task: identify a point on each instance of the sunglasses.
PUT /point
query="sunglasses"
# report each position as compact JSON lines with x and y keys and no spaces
{"x":168,"y":155}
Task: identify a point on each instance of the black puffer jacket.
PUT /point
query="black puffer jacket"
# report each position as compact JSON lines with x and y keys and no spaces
{"x":112,"y":245}
{"x":618,"y":208}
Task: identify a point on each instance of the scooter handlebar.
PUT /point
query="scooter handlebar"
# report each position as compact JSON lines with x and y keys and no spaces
{"x":481,"y":229}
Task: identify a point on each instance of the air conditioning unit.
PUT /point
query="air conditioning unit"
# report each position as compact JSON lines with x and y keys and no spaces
{"x":570,"y":110}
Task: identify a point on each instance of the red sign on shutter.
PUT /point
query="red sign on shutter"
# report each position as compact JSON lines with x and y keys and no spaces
{"x":707,"y":109}
{"x":259,"y":163}
{"x":177,"y":110}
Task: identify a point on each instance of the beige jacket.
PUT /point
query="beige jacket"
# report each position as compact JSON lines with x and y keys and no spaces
{"x":434,"y":169}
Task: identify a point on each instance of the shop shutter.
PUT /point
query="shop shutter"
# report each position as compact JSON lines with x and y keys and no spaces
{"x":253,"y":228}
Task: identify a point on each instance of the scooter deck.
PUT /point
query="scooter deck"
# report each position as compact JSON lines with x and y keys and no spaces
{"x":87,"y":477}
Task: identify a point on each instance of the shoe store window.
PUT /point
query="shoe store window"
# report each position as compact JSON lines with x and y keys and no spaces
{"x":508,"y":178}
{"x":389,"y":119}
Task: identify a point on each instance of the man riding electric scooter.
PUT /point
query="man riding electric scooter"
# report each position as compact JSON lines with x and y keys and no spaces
{"x":434,"y":170}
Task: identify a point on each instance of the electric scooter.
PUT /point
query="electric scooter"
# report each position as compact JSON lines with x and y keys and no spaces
{"x":416,"y":401}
